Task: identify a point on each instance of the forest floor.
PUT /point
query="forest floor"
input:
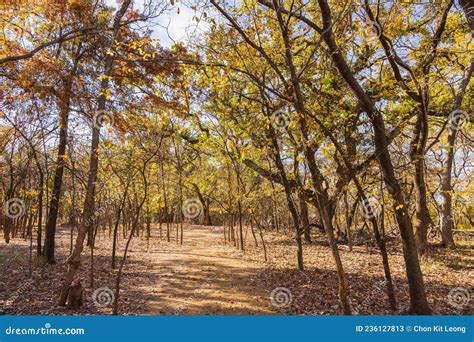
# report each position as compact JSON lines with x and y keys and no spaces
{"x":204,"y":276}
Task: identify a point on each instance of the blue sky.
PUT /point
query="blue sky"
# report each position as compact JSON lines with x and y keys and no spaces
{"x":180,"y":26}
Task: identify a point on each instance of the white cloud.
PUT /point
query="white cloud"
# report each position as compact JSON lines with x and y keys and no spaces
{"x":171,"y":26}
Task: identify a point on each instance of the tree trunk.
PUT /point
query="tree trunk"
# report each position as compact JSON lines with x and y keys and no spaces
{"x":74,"y":259}
{"x":117,"y":221}
{"x":446,"y":217}
{"x":132,"y":230}
{"x":58,"y":175}
{"x":418,"y":301}
{"x":417,"y":155}
{"x":304,"y":218}
{"x":289,"y":199}
{"x":241,"y":228}
{"x":422,"y":216}
{"x":253,"y":233}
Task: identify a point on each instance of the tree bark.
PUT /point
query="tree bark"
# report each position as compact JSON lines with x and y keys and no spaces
{"x":446,"y":217}
{"x":117,"y":221}
{"x":304,"y":218}
{"x":289,"y":199}
{"x":321,"y":200}
{"x":417,"y":155}
{"x":50,"y":228}
{"x":74,"y":259}
{"x":418,"y":301}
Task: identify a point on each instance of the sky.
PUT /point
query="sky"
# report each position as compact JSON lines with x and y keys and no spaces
{"x":178,"y":24}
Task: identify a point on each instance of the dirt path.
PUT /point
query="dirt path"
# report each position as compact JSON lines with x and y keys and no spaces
{"x":201,"y":277}
{"x":204,"y":276}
